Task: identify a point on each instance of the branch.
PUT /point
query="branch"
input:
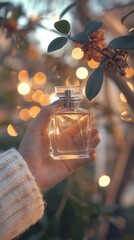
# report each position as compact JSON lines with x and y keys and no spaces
{"x":122,"y":85}
{"x":117,"y":178}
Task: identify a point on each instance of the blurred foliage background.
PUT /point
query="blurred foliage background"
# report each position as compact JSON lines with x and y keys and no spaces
{"x":96,"y":202}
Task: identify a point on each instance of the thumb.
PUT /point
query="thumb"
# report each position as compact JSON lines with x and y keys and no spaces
{"x":43,"y":118}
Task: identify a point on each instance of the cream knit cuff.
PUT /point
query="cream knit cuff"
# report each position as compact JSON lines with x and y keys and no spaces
{"x":21,"y":203}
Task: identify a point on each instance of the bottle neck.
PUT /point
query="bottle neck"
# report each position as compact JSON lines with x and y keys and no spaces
{"x":70,"y":102}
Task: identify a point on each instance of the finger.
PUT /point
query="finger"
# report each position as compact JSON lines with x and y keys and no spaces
{"x":95,"y":141}
{"x":43,"y":118}
{"x":74,"y":164}
{"x":77,"y":127}
{"x":80,"y":139}
{"x":94,"y":132}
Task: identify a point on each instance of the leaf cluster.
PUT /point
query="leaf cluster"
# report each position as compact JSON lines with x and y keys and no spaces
{"x":124,"y":43}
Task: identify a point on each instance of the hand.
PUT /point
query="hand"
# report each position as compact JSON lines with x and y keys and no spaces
{"x":35,"y":149}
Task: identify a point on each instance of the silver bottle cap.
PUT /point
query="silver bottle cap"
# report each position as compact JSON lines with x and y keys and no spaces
{"x":74,"y":92}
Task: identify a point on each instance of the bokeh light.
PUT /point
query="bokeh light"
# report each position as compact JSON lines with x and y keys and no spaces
{"x":34,"y":110}
{"x":123,"y":98}
{"x":77,"y":53}
{"x":23,"y":76}
{"x":12,"y":131}
{"x":36,"y":95}
{"x":125,"y":116}
{"x":44,"y":99}
{"x":82,"y":73}
{"x":93,"y":64}
{"x":39,"y":78}
{"x":23,"y":88}
{"x":24,"y":114}
{"x":104,"y":181}
{"x":129,"y":72}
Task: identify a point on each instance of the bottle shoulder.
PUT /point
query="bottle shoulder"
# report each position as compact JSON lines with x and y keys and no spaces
{"x":72,"y":111}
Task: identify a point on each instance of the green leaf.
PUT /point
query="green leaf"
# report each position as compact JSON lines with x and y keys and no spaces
{"x":124,"y":42}
{"x":81,"y":37}
{"x":62,"y":26}
{"x":94,"y":83}
{"x":92,"y":26}
{"x":57,"y":43}
{"x":6,"y":4}
{"x":67,"y":9}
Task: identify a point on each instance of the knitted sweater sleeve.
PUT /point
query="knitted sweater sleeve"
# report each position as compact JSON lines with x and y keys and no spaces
{"x":21,"y":203}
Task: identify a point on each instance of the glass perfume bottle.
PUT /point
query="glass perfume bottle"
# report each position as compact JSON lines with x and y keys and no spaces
{"x":70,"y":126}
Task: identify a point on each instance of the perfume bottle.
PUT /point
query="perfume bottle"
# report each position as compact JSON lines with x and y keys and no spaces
{"x":70,"y":126}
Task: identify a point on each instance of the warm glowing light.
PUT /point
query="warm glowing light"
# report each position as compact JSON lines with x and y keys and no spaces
{"x":123,"y":98}
{"x":93,"y":64}
{"x":44,"y":99}
{"x":130,"y":86}
{"x":40,"y":78}
{"x":24,"y":114}
{"x":77,"y":53}
{"x":125,"y":116}
{"x":36,"y":95}
{"x":73,"y":82}
{"x":23,"y":76}
{"x":11,"y":130}
{"x":34,"y":85}
{"x":53,"y":98}
{"x":34,"y":111}
{"x":104,"y":181}
{"x":129,"y":72}
{"x":23,"y":88}
{"x":28,"y":97}
{"x":82,"y":72}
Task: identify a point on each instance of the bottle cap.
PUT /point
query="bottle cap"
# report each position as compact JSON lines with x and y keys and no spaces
{"x":68,"y":91}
